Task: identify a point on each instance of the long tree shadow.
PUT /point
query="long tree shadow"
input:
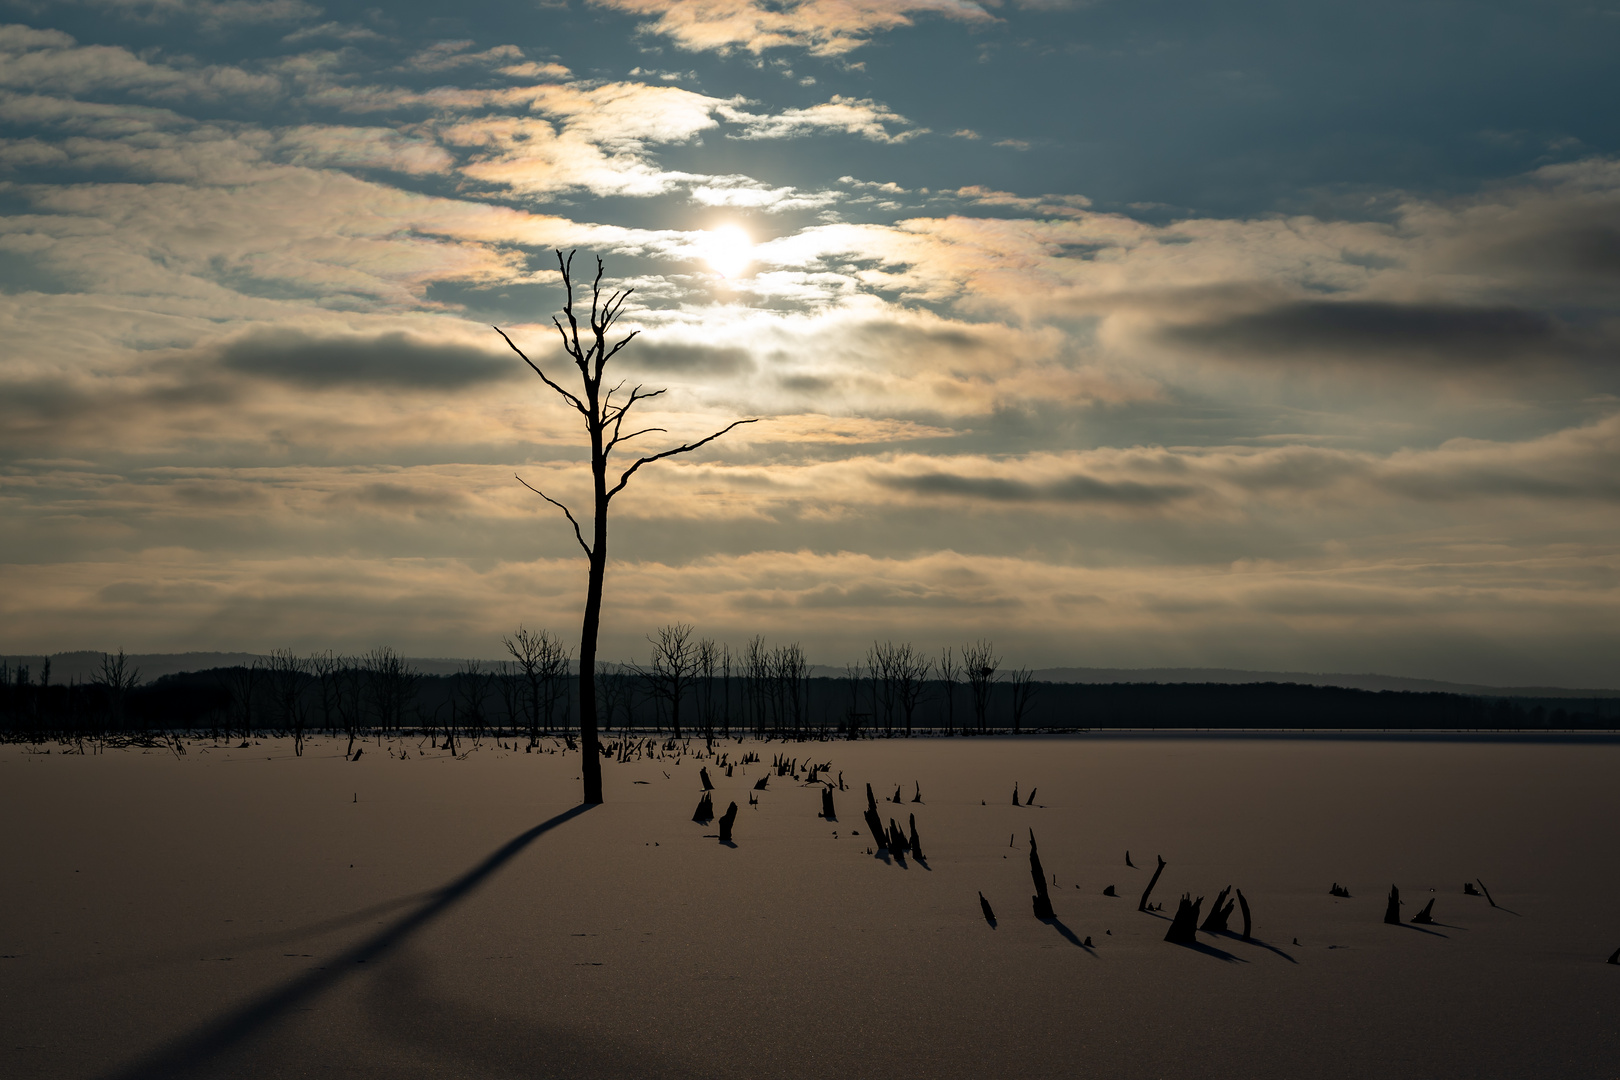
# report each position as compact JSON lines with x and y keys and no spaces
{"x":1420,"y":929}
{"x":192,"y":1053}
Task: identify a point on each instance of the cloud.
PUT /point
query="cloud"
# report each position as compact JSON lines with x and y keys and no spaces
{"x":383,"y":361}
{"x":1381,"y":332}
{"x":821,"y":27}
{"x":211,"y":14}
{"x":49,"y":61}
{"x":854,"y":116}
{"x":367,"y":148}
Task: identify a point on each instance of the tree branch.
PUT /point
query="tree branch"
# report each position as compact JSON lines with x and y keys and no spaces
{"x":577,"y":534}
{"x":570,"y":398}
{"x":688,"y":448}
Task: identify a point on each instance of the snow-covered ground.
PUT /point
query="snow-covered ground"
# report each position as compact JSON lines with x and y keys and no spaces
{"x":242,"y":912}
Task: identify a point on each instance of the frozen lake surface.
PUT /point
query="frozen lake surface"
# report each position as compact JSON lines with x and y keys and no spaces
{"x":242,"y":912}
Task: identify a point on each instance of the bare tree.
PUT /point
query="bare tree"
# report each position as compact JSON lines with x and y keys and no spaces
{"x":1023,"y":689}
{"x":543,"y":662}
{"x":853,"y":713}
{"x":509,"y":682}
{"x":604,"y":425}
{"x":910,"y":669}
{"x":790,"y":681}
{"x":880,"y":666}
{"x":288,"y":675}
{"x":674,"y":668}
{"x":708,"y":665}
{"x":980,"y":661}
{"x":950,"y":677}
{"x":323,"y":667}
{"x":117,"y":676}
{"x":350,"y":697}
{"x":473,"y":685}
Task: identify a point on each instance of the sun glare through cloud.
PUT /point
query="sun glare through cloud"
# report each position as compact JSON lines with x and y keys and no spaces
{"x":728,"y":250}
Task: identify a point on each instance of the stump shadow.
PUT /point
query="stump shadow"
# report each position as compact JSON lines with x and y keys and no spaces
{"x":1068,"y":935}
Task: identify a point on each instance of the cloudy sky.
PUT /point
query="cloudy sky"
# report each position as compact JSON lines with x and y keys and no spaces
{"x":1261,"y":335}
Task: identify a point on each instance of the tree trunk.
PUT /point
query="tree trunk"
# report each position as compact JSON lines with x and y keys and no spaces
{"x":1392,"y":913}
{"x":916,"y":844}
{"x":726,"y":823}
{"x":1244,"y":904}
{"x":827,"y":810}
{"x":589,"y":751}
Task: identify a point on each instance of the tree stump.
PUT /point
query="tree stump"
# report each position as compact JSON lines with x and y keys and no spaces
{"x":1041,"y":901}
{"x":1015,"y":794}
{"x":1143,"y":905}
{"x":1110,"y":891}
{"x":917,"y":797}
{"x":1031,"y":800}
{"x":827,"y":810}
{"x":1244,"y":904}
{"x":759,"y":785}
{"x":1184,"y":927}
{"x":1426,"y":916}
{"x":1128,"y":861}
{"x":726,"y":823}
{"x":897,"y":839}
{"x":896,"y":798}
{"x":874,"y":825}
{"x":990,"y":916}
{"x":1392,"y":913}
{"x":705,"y":810}
{"x":1219,"y":912}
{"x":703,"y":774}
{"x":1469,"y":890}
{"x":916,"y":844}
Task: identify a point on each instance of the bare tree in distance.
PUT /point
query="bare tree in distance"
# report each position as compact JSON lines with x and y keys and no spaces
{"x":950,"y":677}
{"x":911,"y":669}
{"x":604,"y":425}
{"x":980,"y":662}
{"x":674,"y":668}
{"x":119,"y":677}
{"x":1023,"y":689}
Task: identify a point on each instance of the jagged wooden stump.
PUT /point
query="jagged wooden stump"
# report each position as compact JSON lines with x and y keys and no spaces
{"x":726,"y":823}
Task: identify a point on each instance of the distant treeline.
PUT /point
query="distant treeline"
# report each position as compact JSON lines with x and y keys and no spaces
{"x":766,"y":694}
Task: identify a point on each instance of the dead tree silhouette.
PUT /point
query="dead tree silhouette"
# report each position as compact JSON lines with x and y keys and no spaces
{"x":604,"y":425}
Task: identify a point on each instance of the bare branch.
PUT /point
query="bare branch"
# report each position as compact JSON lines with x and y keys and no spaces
{"x":570,"y":398}
{"x":688,"y":448}
{"x":617,"y":438}
{"x":577,"y":534}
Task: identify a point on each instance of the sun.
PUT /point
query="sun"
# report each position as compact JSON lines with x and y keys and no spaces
{"x":727,"y":249}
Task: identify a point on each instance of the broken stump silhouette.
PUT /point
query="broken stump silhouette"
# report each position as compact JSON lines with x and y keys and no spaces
{"x":1041,"y":901}
{"x":1219,"y":912}
{"x":990,"y":916}
{"x":1426,"y":916}
{"x":726,"y":823}
{"x":1392,"y":913}
{"x":703,"y":774}
{"x":827,"y":810}
{"x":705,"y":810}
{"x":1244,"y":904}
{"x":1142,"y":905}
{"x":1184,"y":927}
{"x":916,"y":844}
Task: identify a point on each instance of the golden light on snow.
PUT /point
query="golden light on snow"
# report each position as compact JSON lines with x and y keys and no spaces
{"x":727,"y":249}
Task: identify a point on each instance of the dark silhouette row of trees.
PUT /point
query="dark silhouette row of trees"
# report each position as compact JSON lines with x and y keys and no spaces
{"x":693,"y":687}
